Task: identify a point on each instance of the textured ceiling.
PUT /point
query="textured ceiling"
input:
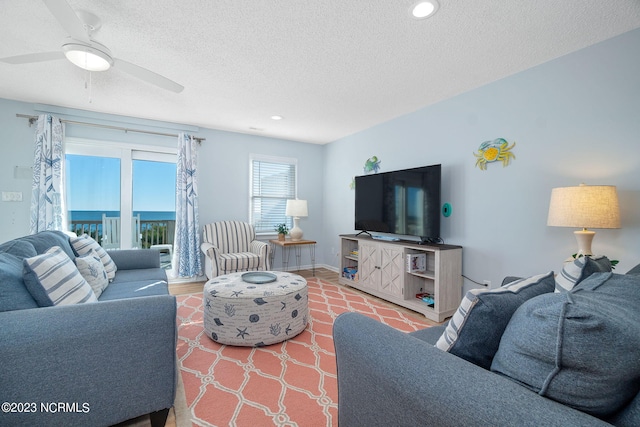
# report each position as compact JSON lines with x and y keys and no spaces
{"x":329,"y":67}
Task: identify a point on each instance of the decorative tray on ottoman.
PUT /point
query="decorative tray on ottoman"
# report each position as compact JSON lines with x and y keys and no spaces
{"x":259,"y":277}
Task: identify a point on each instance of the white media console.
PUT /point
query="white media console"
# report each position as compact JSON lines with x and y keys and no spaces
{"x":382,"y":271}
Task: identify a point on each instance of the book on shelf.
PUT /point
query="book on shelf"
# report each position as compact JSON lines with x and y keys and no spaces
{"x":416,"y":263}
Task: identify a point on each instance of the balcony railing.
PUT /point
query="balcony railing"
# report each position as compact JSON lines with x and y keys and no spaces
{"x":154,"y":232}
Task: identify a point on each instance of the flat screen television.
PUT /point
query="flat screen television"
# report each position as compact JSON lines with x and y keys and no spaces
{"x":402,"y":202}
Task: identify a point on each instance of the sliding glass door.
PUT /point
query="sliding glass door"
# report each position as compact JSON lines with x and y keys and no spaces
{"x":122,"y":195}
{"x":154,"y":204}
{"x":93,"y":197}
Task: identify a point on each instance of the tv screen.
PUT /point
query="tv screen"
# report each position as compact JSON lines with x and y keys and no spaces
{"x":405,"y":202}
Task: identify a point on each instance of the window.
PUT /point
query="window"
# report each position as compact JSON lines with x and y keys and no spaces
{"x":122,"y":195}
{"x":273,"y":182}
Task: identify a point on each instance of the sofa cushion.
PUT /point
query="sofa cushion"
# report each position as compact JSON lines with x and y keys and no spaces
{"x":574,"y":272}
{"x":141,"y":288}
{"x":139,"y":274}
{"x":45,"y":240}
{"x":53,"y":279}
{"x":580,"y":348}
{"x":19,"y":248}
{"x":474,"y":331}
{"x":13,"y":293}
{"x":92,"y":270}
{"x":83,"y":246}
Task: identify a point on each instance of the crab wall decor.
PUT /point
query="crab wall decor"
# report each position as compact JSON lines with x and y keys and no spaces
{"x":372,"y":165}
{"x":493,"y":151}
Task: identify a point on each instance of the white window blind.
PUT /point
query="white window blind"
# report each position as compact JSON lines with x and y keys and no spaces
{"x":273,"y":182}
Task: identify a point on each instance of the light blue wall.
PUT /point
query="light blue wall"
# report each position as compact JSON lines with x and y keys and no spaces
{"x":575,"y":119}
{"x":224,"y":165}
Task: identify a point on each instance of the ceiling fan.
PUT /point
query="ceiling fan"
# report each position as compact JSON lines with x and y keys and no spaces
{"x":86,"y":53}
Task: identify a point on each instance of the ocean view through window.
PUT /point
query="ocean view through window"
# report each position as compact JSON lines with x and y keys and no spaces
{"x":123,"y":202}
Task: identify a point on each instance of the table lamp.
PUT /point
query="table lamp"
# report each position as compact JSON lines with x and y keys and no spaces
{"x":584,"y":206}
{"x":296,"y":208}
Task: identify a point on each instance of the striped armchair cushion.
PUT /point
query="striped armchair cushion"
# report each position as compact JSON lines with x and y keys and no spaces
{"x":241,"y":261}
{"x":229,"y":236}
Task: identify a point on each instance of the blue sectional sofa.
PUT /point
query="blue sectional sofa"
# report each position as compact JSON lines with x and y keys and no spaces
{"x":89,"y":364}
{"x":564,"y":359}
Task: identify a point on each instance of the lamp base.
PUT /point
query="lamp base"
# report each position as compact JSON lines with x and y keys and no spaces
{"x":584,"y":238}
{"x":296,"y":231}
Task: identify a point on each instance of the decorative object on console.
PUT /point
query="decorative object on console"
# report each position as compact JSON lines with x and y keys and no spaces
{"x":296,"y":208}
{"x":416,"y":263}
{"x":584,"y":206}
{"x":493,"y":151}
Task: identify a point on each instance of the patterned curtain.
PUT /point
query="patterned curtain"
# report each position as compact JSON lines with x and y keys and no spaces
{"x":186,"y":256}
{"x":47,"y":199}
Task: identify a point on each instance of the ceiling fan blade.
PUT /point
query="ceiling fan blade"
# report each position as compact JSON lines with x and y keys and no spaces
{"x":33,"y":57}
{"x":148,"y":76}
{"x":68,"y":19}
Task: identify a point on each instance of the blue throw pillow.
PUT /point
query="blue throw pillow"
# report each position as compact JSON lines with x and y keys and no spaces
{"x":474,"y":331}
{"x":580,"y":348}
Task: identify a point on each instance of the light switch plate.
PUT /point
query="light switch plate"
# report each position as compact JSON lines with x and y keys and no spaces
{"x":12,"y":196}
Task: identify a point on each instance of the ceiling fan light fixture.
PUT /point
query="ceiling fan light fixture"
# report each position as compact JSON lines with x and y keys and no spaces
{"x":87,"y":57}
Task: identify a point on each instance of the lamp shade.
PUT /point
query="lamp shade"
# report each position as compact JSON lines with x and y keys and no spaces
{"x":584,"y":206}
{"x":296,"y":208}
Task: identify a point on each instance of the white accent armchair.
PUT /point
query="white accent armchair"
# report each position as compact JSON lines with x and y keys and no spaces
{"x":231,"y":246}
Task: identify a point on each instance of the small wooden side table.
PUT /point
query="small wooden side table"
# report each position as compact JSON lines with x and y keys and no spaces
{"x":297,"y":245}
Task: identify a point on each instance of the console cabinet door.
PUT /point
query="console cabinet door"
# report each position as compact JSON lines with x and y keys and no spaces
{"x":369,"y":265}
{"x":392,"y":270}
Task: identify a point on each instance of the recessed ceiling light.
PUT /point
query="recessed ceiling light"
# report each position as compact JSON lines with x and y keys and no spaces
{"x":276,"y":117}
{"x":424,"y":9}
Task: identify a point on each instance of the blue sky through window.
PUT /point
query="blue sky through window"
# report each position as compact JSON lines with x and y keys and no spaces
{"x":93,"y":184}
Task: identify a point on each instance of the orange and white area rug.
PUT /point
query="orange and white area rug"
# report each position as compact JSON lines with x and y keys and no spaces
{"x":292,"y":383}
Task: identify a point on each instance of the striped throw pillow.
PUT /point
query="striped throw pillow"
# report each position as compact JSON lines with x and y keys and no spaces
{"x":53,"y":279}
{"x":574,"y":272}
{"x":475,"y":330}
{"x":83,"y":246}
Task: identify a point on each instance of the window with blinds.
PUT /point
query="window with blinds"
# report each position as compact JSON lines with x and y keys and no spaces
{"x":273,"y":182}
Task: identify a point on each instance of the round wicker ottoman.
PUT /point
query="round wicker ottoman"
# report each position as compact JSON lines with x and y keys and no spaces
{"x":238,"y":312}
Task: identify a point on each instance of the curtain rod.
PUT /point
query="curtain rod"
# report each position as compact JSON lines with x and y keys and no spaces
{"x":33,"y":119}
